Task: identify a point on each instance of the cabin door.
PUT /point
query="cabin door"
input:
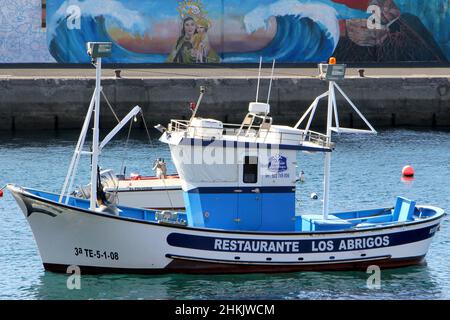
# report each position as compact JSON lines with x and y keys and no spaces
{"x":249,"y":195}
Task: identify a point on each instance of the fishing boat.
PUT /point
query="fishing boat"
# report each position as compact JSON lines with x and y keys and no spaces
{"x":240,"y":204}
{"x":150,"y":192}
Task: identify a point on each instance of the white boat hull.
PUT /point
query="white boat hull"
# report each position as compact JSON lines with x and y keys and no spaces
{"x":99,"y":242}
{"x":148,"y":192}
{"x":168,"y":199}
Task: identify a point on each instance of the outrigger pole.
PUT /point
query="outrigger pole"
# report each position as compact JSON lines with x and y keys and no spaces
{"x":331,"y":72}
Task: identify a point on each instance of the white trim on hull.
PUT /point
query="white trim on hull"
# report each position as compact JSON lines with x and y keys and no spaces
{"x":97,"y":241}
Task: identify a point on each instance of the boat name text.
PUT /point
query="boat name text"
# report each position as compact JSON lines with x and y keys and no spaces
{"x":278,"y":246}
{"x":256,"y":245}
{"x":350,"y":244}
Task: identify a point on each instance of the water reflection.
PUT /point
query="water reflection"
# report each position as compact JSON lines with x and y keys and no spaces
{"x":405,"y":283}
{"x":407,"y":180}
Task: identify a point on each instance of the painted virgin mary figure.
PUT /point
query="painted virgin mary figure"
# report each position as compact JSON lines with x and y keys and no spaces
{"x":183,"y":50}
{"x":193,"y":45}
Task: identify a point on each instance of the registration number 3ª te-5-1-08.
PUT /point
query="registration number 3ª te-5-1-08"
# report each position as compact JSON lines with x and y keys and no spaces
{"x":91,"y":253}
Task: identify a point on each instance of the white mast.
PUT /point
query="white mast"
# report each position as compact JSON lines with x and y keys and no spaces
{"x":259,"y":78}
{"x":95,"y":134}
{"x":271,"y":79}
{"x":335,"y":72}
{"x":96,"y":50}
{"x":331,"y":72}
{"x":327,"y":164}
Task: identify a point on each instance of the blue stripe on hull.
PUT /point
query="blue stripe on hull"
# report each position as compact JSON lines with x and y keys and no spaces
{"x":300,"y":246}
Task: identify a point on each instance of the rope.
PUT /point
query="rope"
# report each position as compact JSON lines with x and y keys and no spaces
{"x":153,"y":147}
{"x":168,"y":195}
{"x":126,"y":146}
{"x":146,"y":130}
{"x":110,"y":107}
{"x":125,"y":157}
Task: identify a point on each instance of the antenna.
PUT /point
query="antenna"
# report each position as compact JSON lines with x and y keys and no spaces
{"x":202,"y":92}
{"x":271,"y":78}
{"x":259,"y":78}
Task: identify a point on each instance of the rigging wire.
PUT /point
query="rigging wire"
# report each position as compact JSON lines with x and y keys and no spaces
{"x":153,"y":147}
{"x":110,"y":106}
{"x":116,"y":190}
{"x":126,"y":146}
{"x":146,"y":130}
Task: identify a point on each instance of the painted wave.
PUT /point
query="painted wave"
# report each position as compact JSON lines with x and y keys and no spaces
{"x":69,"y":45}
{"x":305,"y":32}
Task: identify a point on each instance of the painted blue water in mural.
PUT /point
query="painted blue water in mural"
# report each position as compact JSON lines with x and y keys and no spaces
{"x":306,"y":31}
{"x":234,"y":31}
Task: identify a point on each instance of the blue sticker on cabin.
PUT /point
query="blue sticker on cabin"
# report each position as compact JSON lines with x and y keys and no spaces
{"x":277,"y":164}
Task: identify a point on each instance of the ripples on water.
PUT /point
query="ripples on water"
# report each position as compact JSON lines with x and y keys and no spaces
{"x":365,"y":173}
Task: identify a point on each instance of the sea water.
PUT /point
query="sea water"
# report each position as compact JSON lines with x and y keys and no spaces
{"x":366,"y":173}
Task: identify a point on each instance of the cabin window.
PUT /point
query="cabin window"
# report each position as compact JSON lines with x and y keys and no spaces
{"x":250,"y":169}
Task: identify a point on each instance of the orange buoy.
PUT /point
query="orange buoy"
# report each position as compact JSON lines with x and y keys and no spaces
{"x":332,"y":60}
{"x":1,"y":193}
{"x":408,"y":171}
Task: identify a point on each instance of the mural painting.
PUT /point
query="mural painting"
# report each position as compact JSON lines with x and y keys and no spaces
{"x":22,"y":38}
{"x":232,"y":31}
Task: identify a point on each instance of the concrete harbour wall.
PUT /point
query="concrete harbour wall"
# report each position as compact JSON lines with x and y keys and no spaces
{"x":61,"y":103}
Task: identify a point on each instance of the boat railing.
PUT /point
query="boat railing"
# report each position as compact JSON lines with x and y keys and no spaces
{"x":317,"y":138}
{"x":230,"y":129}
{"x":178,"y":125}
